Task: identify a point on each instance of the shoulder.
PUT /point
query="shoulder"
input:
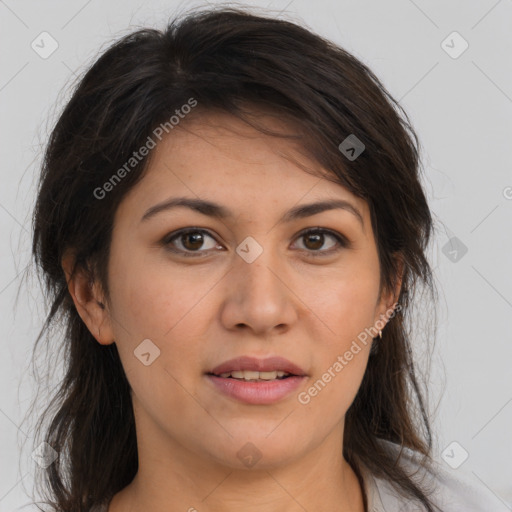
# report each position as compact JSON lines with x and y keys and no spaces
{"x":451,"y":491}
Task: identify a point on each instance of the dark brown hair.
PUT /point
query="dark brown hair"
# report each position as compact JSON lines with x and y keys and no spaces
{"x":228,"y":60}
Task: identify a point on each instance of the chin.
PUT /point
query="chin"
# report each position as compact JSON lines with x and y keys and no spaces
{"x":256,"y":452}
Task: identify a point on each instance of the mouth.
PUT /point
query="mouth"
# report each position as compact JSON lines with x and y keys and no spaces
{"x":253,"y":376}
{"x":256,"y":381}
{"x":252,"y":368}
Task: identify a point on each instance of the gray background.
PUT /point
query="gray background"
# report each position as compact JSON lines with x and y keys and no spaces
{"x":461,"y":108}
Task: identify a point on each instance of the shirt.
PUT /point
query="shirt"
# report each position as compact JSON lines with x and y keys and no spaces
{"x":453,"y":490}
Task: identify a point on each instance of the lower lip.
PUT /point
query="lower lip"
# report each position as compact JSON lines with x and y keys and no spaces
{"x":258,"y":393}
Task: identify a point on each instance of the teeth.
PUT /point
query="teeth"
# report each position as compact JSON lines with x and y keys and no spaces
{"x":252,"y":375}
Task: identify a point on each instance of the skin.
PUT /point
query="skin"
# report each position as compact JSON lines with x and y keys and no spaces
{"x":203,"y":310}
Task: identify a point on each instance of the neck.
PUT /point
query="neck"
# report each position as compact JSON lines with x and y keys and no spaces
{"x":179,"y":479}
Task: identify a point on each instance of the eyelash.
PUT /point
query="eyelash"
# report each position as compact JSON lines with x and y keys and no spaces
{"x":342,"y":241}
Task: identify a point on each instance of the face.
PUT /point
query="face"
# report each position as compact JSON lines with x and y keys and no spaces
{"x":191,"y":290}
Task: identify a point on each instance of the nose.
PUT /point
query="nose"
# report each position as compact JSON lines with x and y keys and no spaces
{"x":259,"y":296}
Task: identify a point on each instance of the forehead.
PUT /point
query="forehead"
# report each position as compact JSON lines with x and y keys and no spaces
{"x":224,"y":137}
{"x":217,"y":156}
{"x":218,"y":144}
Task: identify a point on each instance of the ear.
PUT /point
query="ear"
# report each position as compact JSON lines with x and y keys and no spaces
{"x":89,"y":300}
{"x":389,"y":298}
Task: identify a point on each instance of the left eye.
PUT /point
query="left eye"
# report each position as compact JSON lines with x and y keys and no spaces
{"x":191,"y":240}
{"x":315,"y":238}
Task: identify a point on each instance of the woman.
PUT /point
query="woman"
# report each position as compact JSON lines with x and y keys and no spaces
{"x":231,"y":226}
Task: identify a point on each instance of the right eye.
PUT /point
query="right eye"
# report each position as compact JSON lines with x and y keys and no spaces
{"x":190,"y":240}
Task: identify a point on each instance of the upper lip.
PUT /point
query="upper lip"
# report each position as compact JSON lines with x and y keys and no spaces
{"x":268,"y":364}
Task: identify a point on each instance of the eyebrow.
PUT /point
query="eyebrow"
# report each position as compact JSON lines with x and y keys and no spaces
{"x":218,"y":211}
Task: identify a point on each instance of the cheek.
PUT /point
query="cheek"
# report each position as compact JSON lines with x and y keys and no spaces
{"x":152,"y":296}
{"x":343,"y":351}
{"x":344,"y":309}
{"x":163,"y":307}
{"x":170,"y":308}
{"x":347,"y":304}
